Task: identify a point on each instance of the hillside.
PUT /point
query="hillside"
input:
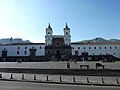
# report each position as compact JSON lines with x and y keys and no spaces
{"x":98,"y":39}
{"x":16,"y":40}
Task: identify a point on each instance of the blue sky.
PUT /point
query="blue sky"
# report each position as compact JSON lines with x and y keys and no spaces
{"x":87,"y":19}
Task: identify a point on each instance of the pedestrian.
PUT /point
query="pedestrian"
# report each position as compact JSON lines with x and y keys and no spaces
{"x":70,"y":60}
{"x":75,"y":61}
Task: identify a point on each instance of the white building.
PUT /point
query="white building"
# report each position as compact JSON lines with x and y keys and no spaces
{"x":97,"y":48}
{"x":57,"y":46}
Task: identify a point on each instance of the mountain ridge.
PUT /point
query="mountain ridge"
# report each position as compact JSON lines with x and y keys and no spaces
{"x":11,"y":40}
{"x":98,"y":39}
{"x":19,"y":40}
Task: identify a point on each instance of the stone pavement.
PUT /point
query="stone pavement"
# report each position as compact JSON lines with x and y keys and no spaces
{"x":57,"y":65}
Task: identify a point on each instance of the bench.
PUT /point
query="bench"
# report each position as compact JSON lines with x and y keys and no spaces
{"x":99,"y":65}
{"x":84,"y":66}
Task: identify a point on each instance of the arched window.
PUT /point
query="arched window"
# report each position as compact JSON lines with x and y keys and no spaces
{"x":48,"y":33}
{"x":105,"y":47}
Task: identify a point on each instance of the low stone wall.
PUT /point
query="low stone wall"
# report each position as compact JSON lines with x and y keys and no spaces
{"x":81,"y":72}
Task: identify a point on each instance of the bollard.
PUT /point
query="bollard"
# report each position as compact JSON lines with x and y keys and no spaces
{"x":117,"y":80}
{"x":73,"y":79}
{"x":47,"y":79}
{"x":1,"y":75}
{"x":60,"y":79}
{"x":68,"y":64}
{"x":88,"y":80}
{"x":34,"y":77}
{"x":11,"y":76}
{"x":23,"y":76}
{"x":102,"y":80}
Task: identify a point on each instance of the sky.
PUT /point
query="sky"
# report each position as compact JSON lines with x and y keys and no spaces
{"x":87,"y":19}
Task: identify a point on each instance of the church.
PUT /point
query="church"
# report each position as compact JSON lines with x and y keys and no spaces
{"x":59,"y":47}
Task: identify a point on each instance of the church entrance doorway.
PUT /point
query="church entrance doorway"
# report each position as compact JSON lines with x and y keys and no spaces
{"x":58,"y":54}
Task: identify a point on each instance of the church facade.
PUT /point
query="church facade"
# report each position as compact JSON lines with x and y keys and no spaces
{"x":59,"y":47}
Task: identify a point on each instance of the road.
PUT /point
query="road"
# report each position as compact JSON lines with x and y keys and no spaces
{"x":13,"y":85}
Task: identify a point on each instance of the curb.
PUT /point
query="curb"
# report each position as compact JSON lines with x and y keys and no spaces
{"x":52,"y":82}
{"x":82,"y":72}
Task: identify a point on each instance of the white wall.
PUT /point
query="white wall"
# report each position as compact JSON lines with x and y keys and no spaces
{"x":12,"y":50}
{"x":113,"y":51}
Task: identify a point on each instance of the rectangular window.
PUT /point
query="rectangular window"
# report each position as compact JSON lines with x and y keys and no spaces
{"x":110,"y":47}
{"x":84,"y":47}
{"x":72,"y":47}
{"x":25,"y":47}
{"x":78,"y":47}
{"x":18,"y":47}
{"x":25,"y":52}
{"x":40,"y":47}
{"x":17,"y":52}
{"x":89,"y":47}
{"x":99,"y":47}
{"x":115,"y":47}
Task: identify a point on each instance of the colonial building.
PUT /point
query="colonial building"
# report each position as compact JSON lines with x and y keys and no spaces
{"x":58,"y":47}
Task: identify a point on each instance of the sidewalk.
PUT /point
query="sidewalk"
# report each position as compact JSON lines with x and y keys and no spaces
{"x":62,"y":79}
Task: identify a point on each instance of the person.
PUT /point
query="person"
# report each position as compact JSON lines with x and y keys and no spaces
{"x":70,"y":60}
{"x":19,"y":61}
{"x":83,"y":59}
{"x":75,"y":61}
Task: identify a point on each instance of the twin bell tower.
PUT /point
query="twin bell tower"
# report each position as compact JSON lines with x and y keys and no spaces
{"x":49,"y":35}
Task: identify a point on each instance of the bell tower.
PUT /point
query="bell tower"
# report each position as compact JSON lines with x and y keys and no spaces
{"x":67,"y":36}
{"x":48,"y":36}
